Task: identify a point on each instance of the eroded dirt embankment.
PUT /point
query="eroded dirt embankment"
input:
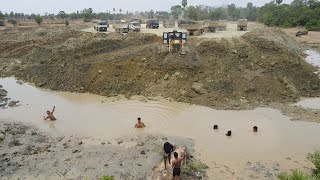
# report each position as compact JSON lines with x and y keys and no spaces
{"x":261,"y":67}
{"x":27,"y":153}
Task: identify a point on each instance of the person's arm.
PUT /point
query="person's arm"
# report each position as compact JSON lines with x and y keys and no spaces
{"x":143,"y":125}
{"x":45,"y":118}
{"x":54,"y":107}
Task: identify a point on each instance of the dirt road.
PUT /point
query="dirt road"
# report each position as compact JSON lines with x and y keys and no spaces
{"x":312,"y":39}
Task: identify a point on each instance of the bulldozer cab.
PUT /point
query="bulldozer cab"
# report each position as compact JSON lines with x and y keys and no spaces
{"x":175,"y":40}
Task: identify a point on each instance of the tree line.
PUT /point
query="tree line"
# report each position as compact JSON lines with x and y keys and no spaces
{"x":298,"y":13}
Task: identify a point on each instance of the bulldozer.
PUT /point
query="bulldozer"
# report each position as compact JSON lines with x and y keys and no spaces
{"x":175,"y":41}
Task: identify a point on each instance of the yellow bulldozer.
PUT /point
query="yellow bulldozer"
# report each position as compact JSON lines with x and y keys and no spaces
{"x":175,"y":41}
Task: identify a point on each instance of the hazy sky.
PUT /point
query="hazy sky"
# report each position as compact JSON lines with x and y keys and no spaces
{"x":54,"y":6}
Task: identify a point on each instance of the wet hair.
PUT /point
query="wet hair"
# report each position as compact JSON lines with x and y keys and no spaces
{"x":229,"y":133}
{"x":48,"y":112}
{"x":255,"y":129}
{"x":139,"y":119}
{"x":215,"y":127}
{"x":175,"y":154}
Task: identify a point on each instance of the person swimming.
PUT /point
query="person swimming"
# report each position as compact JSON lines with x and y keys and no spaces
{"x":215,"y":127}
{"x":229,"y":133}
{"x":140,"y":124}
{"x":50,"y":115}
{"x":255,"y":129}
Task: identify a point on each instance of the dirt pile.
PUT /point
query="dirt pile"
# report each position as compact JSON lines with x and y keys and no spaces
{"x":69,"y":157}
{"x":264,"y":66}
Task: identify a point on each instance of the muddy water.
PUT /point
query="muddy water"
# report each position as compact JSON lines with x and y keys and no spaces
{"x":313,"y":57}
{"x":97,"y":116}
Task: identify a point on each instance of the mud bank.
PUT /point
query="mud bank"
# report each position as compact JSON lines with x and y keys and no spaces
{"x":27,"y":153}
{"x":261,"y":67}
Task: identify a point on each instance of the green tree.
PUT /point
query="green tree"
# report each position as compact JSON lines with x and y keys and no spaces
{"x":120,"y":10}
{"x":150,"y":14}
{"x":1,"y":16}
{"x":87,"y":14}
{"x":38,"y":20}
{"x":62,"y":15}
{"x":73,"y":16}
{"x":192,"y":13}
{"x":114,"y":10}
{"x":184,"y":3}
{"x":176,"y":11}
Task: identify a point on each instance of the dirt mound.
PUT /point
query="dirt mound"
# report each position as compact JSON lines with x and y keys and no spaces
{"x":272,"y":39}
{"x":259,"y":68}
{"x":74,"y":157}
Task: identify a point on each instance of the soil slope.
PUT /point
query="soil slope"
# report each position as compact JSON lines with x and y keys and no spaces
{"x":263,"y":66}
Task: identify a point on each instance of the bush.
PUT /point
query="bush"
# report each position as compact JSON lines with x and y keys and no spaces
{"x":66,"y":22}
{"x":287,"y":24}
{"x":38,"y":20}
{"x":313,"y":25}
{"x":106,"y":178}
{"x":315,"y":159}
{"x":13,"y":22}
{"x":297,"y":175}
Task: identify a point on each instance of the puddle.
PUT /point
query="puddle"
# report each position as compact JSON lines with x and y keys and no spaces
{"x":85,"y":114}
{"x":313,"y":57}
{"x":312,"y":103}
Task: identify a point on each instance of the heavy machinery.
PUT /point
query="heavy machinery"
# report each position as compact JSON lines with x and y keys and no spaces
{"x":175,"y":41}
{"x":127,"y":27}
{"x":242,"y":25}
{"x":222,"y":25}
{"x":210,"y":26}
{"x":195,"y":28}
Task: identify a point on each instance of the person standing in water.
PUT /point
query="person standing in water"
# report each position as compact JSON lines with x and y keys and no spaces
{"x":168,"y":148}
{"x":176,"y":165}
{"x":139,"y":124}
{"x":50,"y":115}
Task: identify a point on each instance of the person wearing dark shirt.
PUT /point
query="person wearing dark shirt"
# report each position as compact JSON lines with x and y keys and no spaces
{"x":168,"y":148}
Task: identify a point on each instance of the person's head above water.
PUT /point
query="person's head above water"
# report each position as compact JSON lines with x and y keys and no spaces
{"x":255,"y":129}
{"x":175,"y":154}
{"x":48,"y":112}
{"x":229,"y":133}
{"x":215,"y":127}
{"x":139,"y":119}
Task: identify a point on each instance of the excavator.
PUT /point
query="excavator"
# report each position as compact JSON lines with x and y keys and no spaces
{"x":175,"y":41}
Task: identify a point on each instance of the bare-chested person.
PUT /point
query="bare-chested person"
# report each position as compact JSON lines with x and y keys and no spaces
{"x":176,"y":165}
{"x":139,"y":124}
{"x":50,"y":115}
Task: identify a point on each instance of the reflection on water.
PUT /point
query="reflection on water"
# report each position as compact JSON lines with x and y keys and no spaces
{"x":97,"y":116}
{"x":313,"y":57}
{"x":313,"y":103}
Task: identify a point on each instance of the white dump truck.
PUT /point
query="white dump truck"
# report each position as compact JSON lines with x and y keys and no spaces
{"x":127,"y":27}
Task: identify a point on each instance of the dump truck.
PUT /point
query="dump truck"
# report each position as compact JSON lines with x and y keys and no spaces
{"x":242,"y":25}
{"x":222,"y":25}
{"x":127,"y":27}
{"x":171,"y":23}
{"x":175,"y":41}
{"x":210,"y":26}
{"x":194,"y":28}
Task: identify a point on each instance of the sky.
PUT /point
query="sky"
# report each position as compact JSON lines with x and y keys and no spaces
{"x":54,"y":6}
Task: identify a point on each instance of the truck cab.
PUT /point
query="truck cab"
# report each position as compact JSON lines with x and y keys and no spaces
{"x":101,"y":26}
{"x":134,"y":26}
{"x":152,"y":23}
